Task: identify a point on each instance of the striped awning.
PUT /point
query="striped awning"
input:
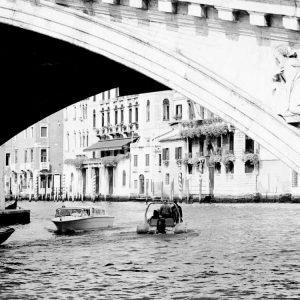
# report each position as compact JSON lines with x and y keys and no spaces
{"x":115,"y":144}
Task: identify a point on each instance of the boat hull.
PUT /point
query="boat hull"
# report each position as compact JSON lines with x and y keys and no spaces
{"x":85,"y":224}
{"x":5,"y":233}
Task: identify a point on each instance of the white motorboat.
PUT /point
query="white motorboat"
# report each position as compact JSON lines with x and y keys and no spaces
{"x":159,"y":224}
{"x":81,"y":218}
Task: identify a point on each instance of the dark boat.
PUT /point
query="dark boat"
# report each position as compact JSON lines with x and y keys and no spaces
{"x":12,"y":205}
{"x":5,"y":233}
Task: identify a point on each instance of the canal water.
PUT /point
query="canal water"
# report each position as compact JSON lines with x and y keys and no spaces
{"x":231,"y":251}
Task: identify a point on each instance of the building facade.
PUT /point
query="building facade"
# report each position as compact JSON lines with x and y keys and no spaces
{"x":150,"y":145}
{"x":33,"y":166}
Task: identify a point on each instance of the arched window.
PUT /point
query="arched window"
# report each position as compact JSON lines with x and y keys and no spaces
{"x":148,"y":111}
{"x":249,"y":166}
{"x":124,"y":178}
{"x":87,"y":139}
{"x":218,"y":167}
{"x":130,"y":113}
{"x":83,"y":140}
{"x":94,"y":118}
{"x":116,"y":115}
{"x":230,"y":167}
{"x":80,"y":140}
{"x":166,"y":110}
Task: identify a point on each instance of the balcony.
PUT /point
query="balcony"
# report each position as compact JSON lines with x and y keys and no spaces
{"x":44,"y":166}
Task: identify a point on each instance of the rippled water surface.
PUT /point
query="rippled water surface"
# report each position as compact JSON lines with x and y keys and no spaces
{"x":231,"y":251}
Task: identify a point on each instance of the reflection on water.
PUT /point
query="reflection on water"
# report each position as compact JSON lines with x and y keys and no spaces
{"x":242,"y":251}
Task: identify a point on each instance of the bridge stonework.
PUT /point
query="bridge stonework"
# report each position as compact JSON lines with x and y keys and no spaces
{"x":218,"y":53}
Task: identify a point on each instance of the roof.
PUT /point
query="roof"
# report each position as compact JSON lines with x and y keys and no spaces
{"x":174,"y":137}
{"x":115,"y":144}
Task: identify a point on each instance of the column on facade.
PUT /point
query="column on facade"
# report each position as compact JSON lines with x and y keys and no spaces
{"x":239,"y":148}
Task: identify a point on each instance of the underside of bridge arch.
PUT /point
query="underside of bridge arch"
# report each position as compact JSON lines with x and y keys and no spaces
{"x":41,"y":75}
{"x":150,"y":53}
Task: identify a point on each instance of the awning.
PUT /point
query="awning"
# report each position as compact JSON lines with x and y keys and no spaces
{"x":115,"y":144}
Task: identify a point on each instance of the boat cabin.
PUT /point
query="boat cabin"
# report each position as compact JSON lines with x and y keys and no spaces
{"x":79,"y":211}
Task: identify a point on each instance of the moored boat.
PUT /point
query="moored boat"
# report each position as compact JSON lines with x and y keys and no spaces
{"x":5,"y":233}
{"x":162,"y":224}
{"x":81,"y":218}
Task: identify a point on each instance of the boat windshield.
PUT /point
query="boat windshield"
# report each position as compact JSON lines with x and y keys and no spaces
{"x":98,"y":211}
{"x":63,"y":212}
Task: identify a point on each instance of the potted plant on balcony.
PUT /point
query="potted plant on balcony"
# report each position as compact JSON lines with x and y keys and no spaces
{"x":252,"y":157}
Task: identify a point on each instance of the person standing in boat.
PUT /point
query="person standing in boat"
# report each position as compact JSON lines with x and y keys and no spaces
{"x":165,"y":210}
{"x":177,"y":212}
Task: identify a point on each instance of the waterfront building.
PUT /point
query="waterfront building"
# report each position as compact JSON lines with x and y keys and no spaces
{"x":33,"y":166}
{"x":149,"y":145}
{"x":96,"y":147}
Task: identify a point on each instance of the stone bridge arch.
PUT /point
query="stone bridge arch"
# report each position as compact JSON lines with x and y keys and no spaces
{"x":130,"y":46}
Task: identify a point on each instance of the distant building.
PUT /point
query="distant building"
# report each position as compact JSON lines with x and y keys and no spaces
{"x":34,"y":161}
{"x":154,"y":145}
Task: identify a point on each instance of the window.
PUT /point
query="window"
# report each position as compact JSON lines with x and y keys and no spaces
{"x":31,"y":154}
{"x":7,"y":159}
{"x":167,"y":178}
{"x":68,"y":142}
{"x":229,"y":167}
{"x":191,"y":110}
{"x":178,"y":111}
{"x":44,"y":131}
{"x":75,"y":142}
{"x":66,"y":114}
{"x":122,"y":114}
{"x":43,"y":155}
{"x":178,"y":152}
{"x":135,"y":184}
{"x":32,"y":131}
{"x":25,"y":156}
{"x":159,"y":159}
{"x":136,"y":114}
{"x":83,"y":140}
{"x":190,"y":168}
{"x":148,"y":111}
{"x":74,"y":113}
{"x":80,"y":140}
{"x":108,"y":117}
{"x":87,"y":139}
{"x":94,"y":119}
{"x":102,"y":117}
{"x":135,"y":160}
{"x":249,"y":145}
{"x":219,"y":141}
{"x":116,"y":115}
{"x":43,"y":182}
{"x":124,"y":178}
{"x":202,"y":112}
{"x":16,"y":156}
{"x":249,"y":166}
{"x":201,"y":146}
{"x":218,"y":167}
{"x":130,"y":113}
{"x":165,"y":154}
{"x":231,"y":141}
{"x":294,"y":179}
{"x":166,"y":110}
{"x":147,"y":159}
{"x":49,"y":182}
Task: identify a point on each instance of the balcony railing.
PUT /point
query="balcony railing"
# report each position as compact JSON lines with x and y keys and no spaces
{"x":45,"y":166}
